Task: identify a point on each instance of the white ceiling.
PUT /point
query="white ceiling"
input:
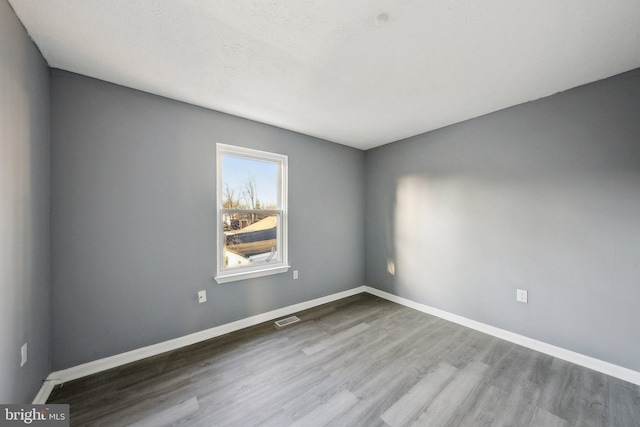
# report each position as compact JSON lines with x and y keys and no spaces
{"x":357,"y":72}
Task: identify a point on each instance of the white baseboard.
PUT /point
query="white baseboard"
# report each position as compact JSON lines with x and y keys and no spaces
{"x":65,"y":375}
{"x":552,"y":350}
{"x":45,"y":391}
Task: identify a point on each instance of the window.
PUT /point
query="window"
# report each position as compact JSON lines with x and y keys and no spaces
{"x":252,"y":213}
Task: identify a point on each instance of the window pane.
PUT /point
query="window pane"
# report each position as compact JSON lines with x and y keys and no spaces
{"x":249,"y":183}
{"x":251,"y":195}
{"x":249,"y":238}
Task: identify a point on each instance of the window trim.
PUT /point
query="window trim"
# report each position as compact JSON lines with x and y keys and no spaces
{"x":242,"y":273}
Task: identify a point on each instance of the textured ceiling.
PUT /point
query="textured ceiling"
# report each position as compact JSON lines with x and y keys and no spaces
{"x":357,"y":72}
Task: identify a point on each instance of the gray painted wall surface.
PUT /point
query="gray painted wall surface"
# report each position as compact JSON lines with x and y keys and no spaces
{"x":24,"y":212}
{"x":133,"y":219}
{"x":544,"y":196}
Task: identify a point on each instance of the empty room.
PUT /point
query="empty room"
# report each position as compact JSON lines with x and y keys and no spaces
{"x":278,"y":213}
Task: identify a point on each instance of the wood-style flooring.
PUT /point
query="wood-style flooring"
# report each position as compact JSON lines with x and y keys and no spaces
{"x":360,"y":361}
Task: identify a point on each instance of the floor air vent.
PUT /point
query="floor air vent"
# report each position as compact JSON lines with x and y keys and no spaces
{"x":284,"y":322}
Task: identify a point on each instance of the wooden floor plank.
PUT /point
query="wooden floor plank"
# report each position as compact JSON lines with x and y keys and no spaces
{"x":328,"y":411}
{"x":169,"y":415}
{"x":360,"y":361}
{"x":624,"y":402}
{"x":576,"y":393}
{"x":486,"y":410}
{"x":542,"y":418}
{"x":410,"y":405}
{"x":334,"y":342}
{"x":454,"y":397}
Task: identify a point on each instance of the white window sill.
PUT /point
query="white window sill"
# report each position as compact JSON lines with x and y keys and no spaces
{"x":233,"y":277}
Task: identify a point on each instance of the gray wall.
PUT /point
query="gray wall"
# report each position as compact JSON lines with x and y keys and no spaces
{"x":133,"y":219}
{"x":24,"y":212}
{"x":544,"y":196}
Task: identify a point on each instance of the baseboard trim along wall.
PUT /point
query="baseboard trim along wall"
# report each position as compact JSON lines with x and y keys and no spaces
{"x":90,"y":368}
{"x":552,"y":350}
{"x":65,"y":375}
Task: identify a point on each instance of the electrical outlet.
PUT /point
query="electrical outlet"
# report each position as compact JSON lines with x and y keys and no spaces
{"x":295,"y":274}
{"x":23,"y":355}
{"x":202,"y":296}
{"x":522,"y":296}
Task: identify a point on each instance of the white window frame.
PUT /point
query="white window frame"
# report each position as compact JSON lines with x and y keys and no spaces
{"x":225,"y":275}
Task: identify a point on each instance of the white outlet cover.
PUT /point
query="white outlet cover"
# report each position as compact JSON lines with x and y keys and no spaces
{"x":202,"y":296}
{"x":23,"y":355}
{"x":522,"y":295}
